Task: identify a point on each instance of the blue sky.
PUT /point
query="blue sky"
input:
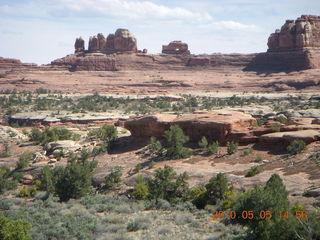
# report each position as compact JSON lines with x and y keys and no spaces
{"x":40,"y":31}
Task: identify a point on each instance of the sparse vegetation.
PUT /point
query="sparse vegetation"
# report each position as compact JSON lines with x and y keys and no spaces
{"x":254,"y":171}
{"x":295,"y":147}
{"x":174,"y":144}
{"x":232,"y":148}
{"x":51,"y":135}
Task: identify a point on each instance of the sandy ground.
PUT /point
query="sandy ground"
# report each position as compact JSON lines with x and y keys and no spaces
{"x":204,"y":82}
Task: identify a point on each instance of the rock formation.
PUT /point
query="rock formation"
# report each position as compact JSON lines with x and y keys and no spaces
{"x":301,"y":34}
{"x":176,"y":47}
{"x":124,"y":41}
{"x":121,"y":41}
{"x":296,"y":46}
{"x":79,"y":45}
{"x":214,"y":125}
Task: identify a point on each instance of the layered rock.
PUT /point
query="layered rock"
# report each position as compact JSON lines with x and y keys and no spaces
{"x":176,"y":47}
{"x":307,"y":136}
{"x":217,"y":125}
{"x":296,"y":46}
{"x":79,"y":45}
{"x":124,"y":41}
{"x":296,"y":35}
{"x":121,"y":41}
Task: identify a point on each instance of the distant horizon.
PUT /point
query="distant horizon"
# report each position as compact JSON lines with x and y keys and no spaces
{"x":40,"y":31}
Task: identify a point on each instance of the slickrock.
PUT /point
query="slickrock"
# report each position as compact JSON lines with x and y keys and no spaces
{"x":283,"y":137}
{"x":214,"y":125}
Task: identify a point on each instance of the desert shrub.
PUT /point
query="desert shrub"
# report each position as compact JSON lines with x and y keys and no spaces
{"x":213,"y":147}
{"x":203,"y":143}
{"x":47,"y":181}
{"x":216,"y":188}
{"x":6,"y":152}
{"x":139,"y":224}
{"x":141,"y":190}
{"x":74,"y":180}
{"x":174,"y":144}
{"x":14,"y":229}
{"x":166,"y":185}
{"x":51,"y":135}
{"x":276,"y":127}
{"x":232,"y":148}
{"x":182,"y":218}
{"x":106,"y":133}
{"x":6,"y":181}
{"x":273,"y":198}
{"x":260,"y":122}
{"x":247,"y":151}
{"x":229,"y":199}
{"x":28,"y":191}
{"x":137,"y":168}
{"x":296,"y":147}
{"x":114,"y":178}
{"x":259,"y":158}
{"x":24,"y":160}
{"x":254,"y":171}
{"x":155,"y":147}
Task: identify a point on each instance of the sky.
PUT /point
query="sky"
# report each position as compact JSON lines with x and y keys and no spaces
{"x":39,"y":31}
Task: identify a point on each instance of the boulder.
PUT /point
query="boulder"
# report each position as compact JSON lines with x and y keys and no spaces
{"x":217,"y":125}
{"x":176,"y":47}
{"x":307,"y":136}
{"x":124,"y":41}
{"x":63,"y":144}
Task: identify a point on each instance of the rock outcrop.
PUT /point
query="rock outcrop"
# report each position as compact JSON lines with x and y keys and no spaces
{"x":307,"y":136}
{"x":176,"y":47}
{"x":121,"y":41}
{"x":15,"y":64}
{"x":296,"y":46}
{"x":79,"y":45}
{"x":214,"y":125}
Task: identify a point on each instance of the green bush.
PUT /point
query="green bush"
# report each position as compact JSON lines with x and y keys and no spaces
{"x":276,"y":127}
{"x":166,"y":185}
{"x":114,"y":178}
{"x":174,"y":144}
{"x":106,"y":133}
{"x":51,"y":135}
{"x":74,"y":180}
{"x":297,"y":146}
{"x":203,"y":143}
{"x":14,"y":229}
{"x":254,"y":171}
{"x":232,"y":147}
{"x":24,"y":160}
{"x":259,"y":158}
{"x":28,"y":191}
{"x":6,"y":181}
{"x":213,"y":147}
{"x":155,"y":146}
{"x":247,"y":151}
{"x":216,"y":188}
{"x":273,"y":198}
{"x":141,"y":190}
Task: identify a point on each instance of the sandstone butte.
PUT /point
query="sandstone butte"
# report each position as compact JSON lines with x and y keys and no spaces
{"x":220,"y":125}
{"x":294,"y":47}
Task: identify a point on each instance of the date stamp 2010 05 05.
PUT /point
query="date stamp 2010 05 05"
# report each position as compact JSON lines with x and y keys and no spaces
{"x":262,"y":215}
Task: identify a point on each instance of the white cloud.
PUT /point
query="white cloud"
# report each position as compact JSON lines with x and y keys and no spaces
{"x":231,"y":25}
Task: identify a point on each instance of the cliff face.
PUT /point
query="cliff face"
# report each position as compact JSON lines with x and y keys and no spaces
{"x":296,"y":46}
